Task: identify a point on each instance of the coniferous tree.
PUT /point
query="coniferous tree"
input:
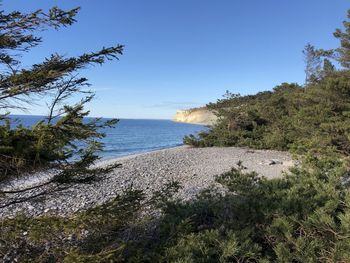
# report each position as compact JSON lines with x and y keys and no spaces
{"x":313,"y":64}
{"x":328,"y":68}
{"x":344,"y":49}
{"x":65,"y":141}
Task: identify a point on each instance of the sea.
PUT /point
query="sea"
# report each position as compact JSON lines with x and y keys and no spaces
{"x":133,"y":136}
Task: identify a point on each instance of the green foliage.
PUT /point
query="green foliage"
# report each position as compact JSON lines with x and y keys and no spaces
{"x":65,"y":141}
{"x":344,"y":49}
{"x":288,"y":118}
{"x":113,"y":232}
{"x":85,"y":235}
{"x":303,"y":216}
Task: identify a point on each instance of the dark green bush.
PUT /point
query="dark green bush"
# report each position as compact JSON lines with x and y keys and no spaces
{"x":291,"y":117}
{"x":301,"y":217}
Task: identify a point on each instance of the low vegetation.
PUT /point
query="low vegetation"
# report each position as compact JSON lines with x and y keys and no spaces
{"x":291,"y":117}
{"x":315,"y":117}
{"x":302,"y":217}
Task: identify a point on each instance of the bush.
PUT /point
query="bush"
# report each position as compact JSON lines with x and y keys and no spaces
{"x":303,"y":216}
{"x":314,"y":118}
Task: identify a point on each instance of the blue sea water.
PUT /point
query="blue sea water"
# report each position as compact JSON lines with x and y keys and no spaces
{"x":131,"y":136}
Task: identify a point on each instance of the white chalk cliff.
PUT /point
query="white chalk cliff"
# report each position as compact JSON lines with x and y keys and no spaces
{"x":196,"y":116}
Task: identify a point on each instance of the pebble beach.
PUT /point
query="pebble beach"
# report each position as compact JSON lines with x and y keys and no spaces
{"x":194,"y":168}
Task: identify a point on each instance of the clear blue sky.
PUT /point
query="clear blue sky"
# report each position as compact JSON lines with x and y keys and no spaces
{"x":186,"y":53}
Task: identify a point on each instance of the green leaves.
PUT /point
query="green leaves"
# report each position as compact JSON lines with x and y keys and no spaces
{"x":302,"y":217}
{"x":289,"y":118}
{"x":65,"y":142}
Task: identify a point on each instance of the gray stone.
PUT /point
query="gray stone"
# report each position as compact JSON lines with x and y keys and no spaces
{"x":194,"y":168}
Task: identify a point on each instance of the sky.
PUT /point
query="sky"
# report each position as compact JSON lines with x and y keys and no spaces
{"x":182,"y":54}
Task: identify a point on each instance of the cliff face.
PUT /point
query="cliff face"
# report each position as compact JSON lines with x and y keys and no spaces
{"x":196,"y":116}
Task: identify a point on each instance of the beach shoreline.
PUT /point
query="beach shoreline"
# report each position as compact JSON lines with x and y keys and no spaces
{"x":194,"y":168}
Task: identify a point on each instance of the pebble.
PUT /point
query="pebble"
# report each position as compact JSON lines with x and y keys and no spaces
{"x":194,"y":168}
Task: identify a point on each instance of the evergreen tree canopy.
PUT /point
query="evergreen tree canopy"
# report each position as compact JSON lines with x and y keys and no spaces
{"x":64,"y":141}
{"x":344,"y":38}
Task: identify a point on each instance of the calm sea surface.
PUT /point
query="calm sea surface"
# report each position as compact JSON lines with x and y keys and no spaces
{"x":132,"y":136}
